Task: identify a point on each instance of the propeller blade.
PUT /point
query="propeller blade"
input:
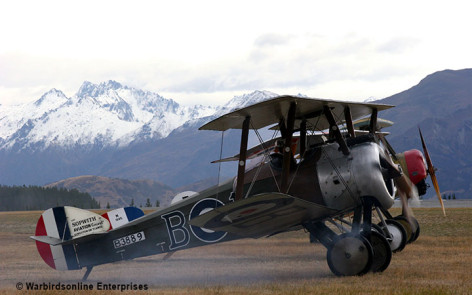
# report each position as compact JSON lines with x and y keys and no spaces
{"x":406,"y":191}
{"x":436,"y":188}
{"x":432,"y":172}
{"x":403,"y":183}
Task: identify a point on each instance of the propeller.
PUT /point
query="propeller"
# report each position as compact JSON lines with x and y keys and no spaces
{"x":406,"y":189}
{"x":432,"y":172}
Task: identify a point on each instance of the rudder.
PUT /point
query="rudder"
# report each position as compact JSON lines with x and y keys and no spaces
{"x":66,"y":223}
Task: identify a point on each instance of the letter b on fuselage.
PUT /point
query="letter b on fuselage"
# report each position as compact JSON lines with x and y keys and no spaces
{"x":178,"y":234}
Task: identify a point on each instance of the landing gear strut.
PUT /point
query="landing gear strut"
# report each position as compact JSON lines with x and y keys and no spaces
{"x":365,"y":248}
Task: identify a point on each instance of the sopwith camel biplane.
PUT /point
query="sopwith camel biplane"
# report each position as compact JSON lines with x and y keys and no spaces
{"x":329,"y":172}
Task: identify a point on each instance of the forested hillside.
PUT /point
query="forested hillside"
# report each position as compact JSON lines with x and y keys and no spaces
{"x":18,"y":198}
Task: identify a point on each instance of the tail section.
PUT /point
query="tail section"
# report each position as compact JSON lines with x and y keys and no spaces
{"x":64,"y":224}
{"x":58,"y":227}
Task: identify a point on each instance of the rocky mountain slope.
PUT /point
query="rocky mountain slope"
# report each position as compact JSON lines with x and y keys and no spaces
{"x":112,"y":130}
{"x":99,"y":116}
{"x":120,"y":132}
{"x":441,"y":105}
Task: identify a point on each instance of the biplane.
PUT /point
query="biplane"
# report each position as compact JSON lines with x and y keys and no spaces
{"x":328,"y":170}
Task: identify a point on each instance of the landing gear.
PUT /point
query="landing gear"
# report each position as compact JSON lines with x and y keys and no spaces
{"x":362,"y":245}
{"x":395,"y":234}
{"x":382,"y":252}
{"x":412,"y":230}
{"x":350,"y":255}
{"x":416,"y":233}
{"x":360,"y":249}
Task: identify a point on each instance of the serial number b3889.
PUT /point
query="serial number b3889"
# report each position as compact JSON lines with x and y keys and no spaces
{"x":128,"y":240}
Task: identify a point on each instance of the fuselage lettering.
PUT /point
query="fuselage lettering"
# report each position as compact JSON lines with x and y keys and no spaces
{"x":178,"y":234}
{"x":203,"y":234}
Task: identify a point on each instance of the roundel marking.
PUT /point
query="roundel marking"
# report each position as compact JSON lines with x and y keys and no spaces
{"x":203,"y":234}
{"x":248,"y":211}
{"x":244,"y":212}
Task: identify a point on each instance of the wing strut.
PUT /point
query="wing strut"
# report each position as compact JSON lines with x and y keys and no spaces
{"x":242,"y":159}
{"x":302,"y":138}
{"x":333,"y":127}
{"x":287,"y":153}
{"x":348,"y":119}
{"x":373,"y":121}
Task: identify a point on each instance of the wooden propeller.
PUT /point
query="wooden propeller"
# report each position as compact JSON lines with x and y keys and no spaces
{"x":432,"y":172}
{"x":406,"y":188}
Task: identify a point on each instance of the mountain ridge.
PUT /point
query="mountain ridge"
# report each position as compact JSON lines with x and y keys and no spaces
{"x":105,"y":114}
{"x":119,"y":192}
{"x":440,"y":103}
{"x":91,"y":131}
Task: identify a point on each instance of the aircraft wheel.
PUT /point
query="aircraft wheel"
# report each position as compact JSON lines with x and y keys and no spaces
{"x":407,"y":226}
{"x":395,"y":234}
{"x":350,"y":255}
{"x":382,"y":251}
{"x":416,"y":233}
{"x":415,"y":230}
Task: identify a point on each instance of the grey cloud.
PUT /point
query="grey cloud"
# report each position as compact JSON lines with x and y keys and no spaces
{"x":309,"y":61}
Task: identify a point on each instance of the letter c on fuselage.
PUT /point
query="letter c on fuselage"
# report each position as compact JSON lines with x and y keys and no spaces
{"x":203,"y":234}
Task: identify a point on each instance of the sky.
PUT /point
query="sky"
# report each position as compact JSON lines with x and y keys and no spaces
{"x":206,"y":52}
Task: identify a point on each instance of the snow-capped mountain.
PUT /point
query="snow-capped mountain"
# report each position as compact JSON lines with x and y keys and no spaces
{"x":245,"y":100}
{"x":117,"y":131}
{"x":104,"y":115}
{"x":112,"y":130}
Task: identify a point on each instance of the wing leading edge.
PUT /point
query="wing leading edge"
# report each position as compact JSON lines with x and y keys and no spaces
{"x":310,"y":109}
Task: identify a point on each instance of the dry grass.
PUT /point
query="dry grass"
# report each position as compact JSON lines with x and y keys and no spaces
{"x":438,"y":263}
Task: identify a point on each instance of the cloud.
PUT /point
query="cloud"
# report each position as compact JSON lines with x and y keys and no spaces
{"x":349,"y":65}
{"x":398,"y":45}
{"x":272,"y":39}
{"x":208,"y":48}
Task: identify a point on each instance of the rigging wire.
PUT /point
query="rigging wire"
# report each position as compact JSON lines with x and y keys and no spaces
{"x":266,"y":156}
{"x":304,"y":153}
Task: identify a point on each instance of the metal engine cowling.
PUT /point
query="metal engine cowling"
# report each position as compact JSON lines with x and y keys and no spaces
{"x":345,"y":179}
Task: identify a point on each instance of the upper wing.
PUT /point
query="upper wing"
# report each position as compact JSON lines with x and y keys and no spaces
{"x":273,"y":110}
{"x":363,"y":124}
{"x":261,"y":215}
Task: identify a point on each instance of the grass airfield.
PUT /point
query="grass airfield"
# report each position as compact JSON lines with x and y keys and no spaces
{"x":438,"y":263}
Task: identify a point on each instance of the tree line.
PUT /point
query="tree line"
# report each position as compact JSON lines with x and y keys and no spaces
{"x":148,"y":203}
{"x":20,"y":198}
{"x":449,"y":197}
